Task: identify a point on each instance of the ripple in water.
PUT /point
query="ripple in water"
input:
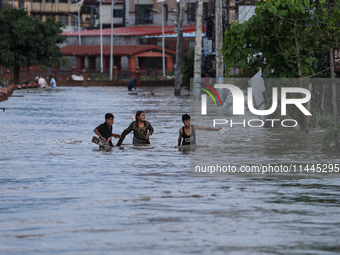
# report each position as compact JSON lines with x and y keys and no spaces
{"x":60,"y":194}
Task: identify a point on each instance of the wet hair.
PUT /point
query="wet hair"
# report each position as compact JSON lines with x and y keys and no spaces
{"x":185,"y":117}
{"x":138,"y":114}
{"x":109,"y":115}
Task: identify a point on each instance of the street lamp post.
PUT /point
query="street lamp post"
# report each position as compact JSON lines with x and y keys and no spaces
{"x":101,"y":37}
{"x":78,"y":4}
{"x":79,"y":24}
{"x":111,"y":50}
{"x":163,"y":55}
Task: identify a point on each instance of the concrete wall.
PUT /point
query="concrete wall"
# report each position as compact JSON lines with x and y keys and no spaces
{"x":95,"y":40}
{"x":170,"y":43}
{"x":73,"y":60}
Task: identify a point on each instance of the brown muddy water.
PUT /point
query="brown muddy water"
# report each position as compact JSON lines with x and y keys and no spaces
{"x":60,"y":194}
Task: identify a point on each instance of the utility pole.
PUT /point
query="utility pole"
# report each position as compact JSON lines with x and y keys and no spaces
{"x":331,"y":61}
{"x":79,"y":25}
{"x":218,"y":46}
{"x":163,"y":46}
{"x":198,"y":49}
{"x":179,"y":47}
{"x":79,"y":3}
{"x":101,"y":37}
{"x":111,"y":45}
{"x":126,"y":16}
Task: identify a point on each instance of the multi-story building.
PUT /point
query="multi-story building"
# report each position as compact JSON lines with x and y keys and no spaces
{"x":67,"y":12}
{"x":150,"y":12}
{"x":126,"y":12}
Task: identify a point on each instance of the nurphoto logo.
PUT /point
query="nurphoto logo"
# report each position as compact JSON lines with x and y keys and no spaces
{"x":239,"y":105}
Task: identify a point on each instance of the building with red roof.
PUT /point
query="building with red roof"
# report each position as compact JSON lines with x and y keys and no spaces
{"x":131,"y":52}
{"x":130,"y":47}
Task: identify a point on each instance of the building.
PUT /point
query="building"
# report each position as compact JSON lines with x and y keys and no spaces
{"x":67,"y":12}
{"x":150,"y":12}
{"x":142,"y":37}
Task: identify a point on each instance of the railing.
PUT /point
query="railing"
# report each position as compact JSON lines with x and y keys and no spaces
{"x":92,"y":75}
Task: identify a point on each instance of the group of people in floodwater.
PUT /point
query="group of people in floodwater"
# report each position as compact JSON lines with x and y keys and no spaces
{"x":142,"y":130}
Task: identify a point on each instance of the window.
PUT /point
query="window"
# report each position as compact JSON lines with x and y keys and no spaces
{"x":143,"y":14}
{"x":74,"y":21}
{"x":22,"y":4}
{"x":205,"y":11}
{"x":50,"y":1}
{"x":37,"y":1}
{"x":64,"y":19}
{"x":38,"y":16}
{"x":118,"y":13}
{"x":63,"y":1}
{"x":160,"y":44}
{"x":191,"y":45}
{"x":191,"y":12}
{"x":337,"y":58}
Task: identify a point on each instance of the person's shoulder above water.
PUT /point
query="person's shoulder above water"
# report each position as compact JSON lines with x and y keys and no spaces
{"x":133,"y":124}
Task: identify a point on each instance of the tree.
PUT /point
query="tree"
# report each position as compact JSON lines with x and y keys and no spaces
{"x":293,"y":36}
{"x":179,"y":48}
{"x":27,"y":42}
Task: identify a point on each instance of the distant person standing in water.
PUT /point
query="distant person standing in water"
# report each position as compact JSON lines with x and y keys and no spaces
{"x":52,"y":82}
{"x":132,"y":84}
{"x":141,"y":128}
{"x":188,"y":131}
{"x":42,"y":82}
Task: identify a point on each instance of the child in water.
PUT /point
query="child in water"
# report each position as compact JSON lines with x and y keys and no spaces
{"x":141,"y":128}
{"x":104,"y":131}
{"x":187,"y":132}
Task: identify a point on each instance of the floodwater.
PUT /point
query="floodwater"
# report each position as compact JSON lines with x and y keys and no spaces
{"x":60,"y":194}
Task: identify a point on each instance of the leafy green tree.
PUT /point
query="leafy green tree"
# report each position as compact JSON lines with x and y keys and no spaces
{"x":293,"y":35}
{"x":26,"y":42}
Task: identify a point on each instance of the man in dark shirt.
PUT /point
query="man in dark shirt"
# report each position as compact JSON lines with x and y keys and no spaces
{"x":104,"y":131}
{"x":132,"y":84}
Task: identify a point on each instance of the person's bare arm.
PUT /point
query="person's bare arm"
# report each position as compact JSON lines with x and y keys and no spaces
{"x":180,"y":137}
{"x":116,"y":135}
{"x":97,"y":133}
{"x":151,"y":130}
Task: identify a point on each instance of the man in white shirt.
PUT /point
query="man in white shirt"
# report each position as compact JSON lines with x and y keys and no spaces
{"x":42,"y":82}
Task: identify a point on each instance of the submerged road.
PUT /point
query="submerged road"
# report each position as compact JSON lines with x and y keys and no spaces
{"x":60,"y":194}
